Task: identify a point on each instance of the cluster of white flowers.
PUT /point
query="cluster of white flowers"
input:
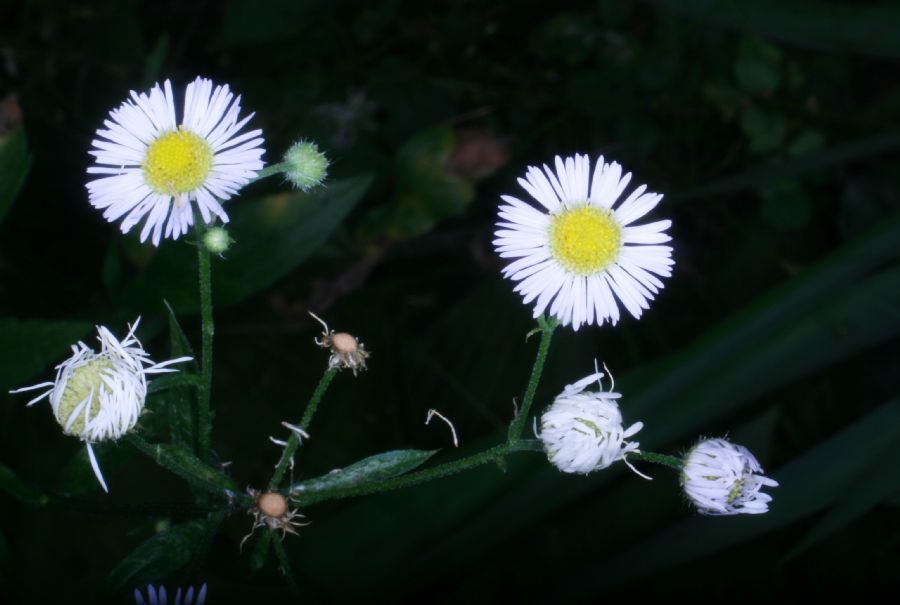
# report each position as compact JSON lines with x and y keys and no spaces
{"x":99,"y":396}
{"x":577,"y":255}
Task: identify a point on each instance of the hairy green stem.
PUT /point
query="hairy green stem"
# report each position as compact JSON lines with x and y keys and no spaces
{"x":285,"y":565}
{"x":271,"y":170}
{"x":664,"y":459}
{"x":294,"y":441}
{"x":204,"y":416}
{"x":546,"y":328}
{"x":495,"y":454}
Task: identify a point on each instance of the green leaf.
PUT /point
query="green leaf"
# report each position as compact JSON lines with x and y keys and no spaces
{"x":427,"y":192}
{"x":161,"y":555}
{"x":757,"y":66}
{"x":294,"y":224}
{"x":190,"y":468}
{"x":841,"y":28}
{"x":15,"y":162}
{"x":181,"y":402}
{"x":368,"y":470}
{"x":878,"y":484}
{"x":27,"y":347}
{"x":18,"y":489}
{"x":772,"y":172}
{"x":862,"y":316}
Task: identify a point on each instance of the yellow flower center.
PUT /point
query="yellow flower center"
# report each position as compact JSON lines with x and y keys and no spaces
{"x":86,"y":381}
{"x":585,"y":240}
{"x":736,"y":490}
{"x":177,"y":162}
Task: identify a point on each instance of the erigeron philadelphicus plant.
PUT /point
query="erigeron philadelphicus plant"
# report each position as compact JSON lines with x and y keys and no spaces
{"x":577,"y":250}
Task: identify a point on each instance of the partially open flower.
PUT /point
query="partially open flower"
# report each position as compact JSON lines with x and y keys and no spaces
{"x":346,"y":350}
{"x":100,"y":396}
{"x":722,"y":478}
{"x":271,"y":509}
{"x":582,"y":431}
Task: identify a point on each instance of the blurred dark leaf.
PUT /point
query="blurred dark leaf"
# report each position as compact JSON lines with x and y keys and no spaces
{"x":181,"y":402}
{"x":427,"y":192}
{"x":369,"y":470}
{"x":14,"y":164}
{"x":15,"y":487}
{"x":294,"y":224}
{"x":802,"y":492}
{"x":765,"y":130}
{"x":876,"y":485}
{"x":30,"y":346}
{"x":163,"y":554}
{"x":244,"y":24}
{"x":841,"y":28}
{"x":786,"y":206}
{"x":762,"y":175}
{"x":757,"y":66}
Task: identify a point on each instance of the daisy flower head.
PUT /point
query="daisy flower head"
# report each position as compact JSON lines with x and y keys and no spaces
{"x":159,"y":597}
{"x":578,"y":253}
{"x":151,"y":167}
{"x":722,"y":478}
{"x":99,"y":396}
{"x":583,"y":431}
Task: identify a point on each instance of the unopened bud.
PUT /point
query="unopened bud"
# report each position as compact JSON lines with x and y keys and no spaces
{"x":217,"y":240}
{"x":306,"y":167}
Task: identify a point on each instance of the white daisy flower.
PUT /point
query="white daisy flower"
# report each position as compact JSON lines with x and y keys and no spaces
{"x":577,"y":254}
{"x":583,"y":432}
{"x":154,"y":166}
{"x":159,"y":597}
{"x":722,"y":478}
{"x":100,"y":396}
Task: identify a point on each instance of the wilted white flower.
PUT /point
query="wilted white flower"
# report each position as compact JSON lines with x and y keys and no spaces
{"x":159,"y":597}
{"x":722,"y":478}
{"x":576,"y":255}
{"x":155,"y":167}
{"x":100,"y":396}
{"x":582,"y":431}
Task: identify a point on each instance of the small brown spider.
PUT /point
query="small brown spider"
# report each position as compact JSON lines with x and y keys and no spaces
{"x":346,"y":350}
{"x":271,"y":509}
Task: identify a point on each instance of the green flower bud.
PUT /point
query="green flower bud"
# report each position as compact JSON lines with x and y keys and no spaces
{"x":306,"y":166}
{"x":217,"y":240}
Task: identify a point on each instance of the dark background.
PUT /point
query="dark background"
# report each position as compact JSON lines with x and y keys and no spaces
{"x":772,"y":129}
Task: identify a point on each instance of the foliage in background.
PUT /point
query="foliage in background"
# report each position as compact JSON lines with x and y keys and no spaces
{"x":772,"y":131}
